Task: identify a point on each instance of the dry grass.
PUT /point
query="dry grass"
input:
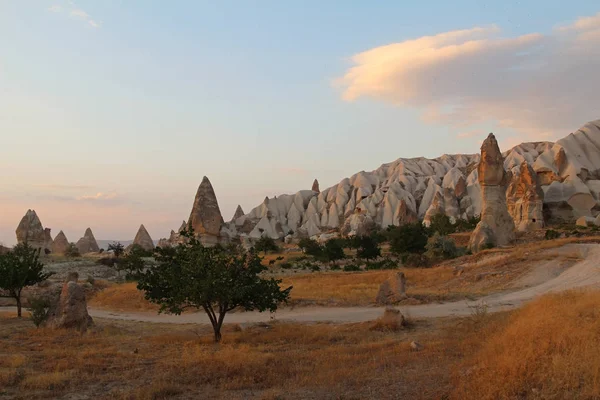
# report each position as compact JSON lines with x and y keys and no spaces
{"x":548,"y":349}
{"x":122,"y":297}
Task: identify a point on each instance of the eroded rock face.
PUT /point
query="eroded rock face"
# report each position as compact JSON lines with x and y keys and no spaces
{"x":496,"y":227}
{"x":525,"y":199}
{"x":206,"y":218}
{"x":31,"y":231}
{"x":87,"y":244}
{"x":392,"y":290}
{"x":143,"y":239}
{"x":70,"y":311}
{"x":60,"y":244}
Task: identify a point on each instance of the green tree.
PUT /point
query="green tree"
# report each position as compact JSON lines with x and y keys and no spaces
{"x":132,"y":263}
{"x":266,"y":244}
{"x":441,"y":224}
{"x":210,"y":278}
{"x":19,"y":268}
{"x":366,"y":247}
{"x":333,"y":250}
{"x":310,"y":247}
{"x":408,"y":238}
{"x":441,"y":247}
{"x":117,"y":248}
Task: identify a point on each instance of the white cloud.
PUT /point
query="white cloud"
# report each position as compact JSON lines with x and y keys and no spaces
{"x":100,"y":196}
{"x":77,"y":13}
{"x":542,"y":86}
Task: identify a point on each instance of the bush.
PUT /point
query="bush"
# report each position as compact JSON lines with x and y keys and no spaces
{"x":139,"y":251}
{"x":266,"y":244}
{"x":386,"y":263}
{"x":334,"y":250}
{"x":286,"y":265}
{"x":551,"y":234}
{"x":315,"y":268}
{"x":440,"y":223}
{"x":72,"y":251}
{"x":39,"y":308}
{"x":335,"y":267}
{"x":310,"y":247}
{"x":351,"y":268}
{"x":107,"y":261}
{"x":466,"y":225}
{"x":414,"y":260}
{"x":367,"y":247}
{"x":441,"y":247}
{"x":408,"y":238}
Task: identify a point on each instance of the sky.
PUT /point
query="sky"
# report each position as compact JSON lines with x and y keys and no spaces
{"x":112,"y":111}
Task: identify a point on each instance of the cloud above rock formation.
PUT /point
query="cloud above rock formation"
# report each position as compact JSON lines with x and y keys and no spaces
{"x":75,"y":13}
{"x":540,"y":85}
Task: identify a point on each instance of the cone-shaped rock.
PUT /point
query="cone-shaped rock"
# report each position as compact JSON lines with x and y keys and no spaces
{"x":60,"y":244}
{"x":143,"y":239}
{"x":31,"y":231}
{"x":525,"y":199}
{"x":183,"y":226}
{"x":496,"y":227}
{"x":315,"y":186}
{"x":238,"y":213}
{"x":87,"y":244}
{"x":206,"y":218}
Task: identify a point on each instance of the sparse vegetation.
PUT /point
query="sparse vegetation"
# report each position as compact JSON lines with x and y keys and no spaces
{"x":442,"y":248}
{"x":19,"y":268}
{"x":266,"y":244}
{"x":117,"y":249}
{"x":72,"y":251}
{"x":39,"y":307}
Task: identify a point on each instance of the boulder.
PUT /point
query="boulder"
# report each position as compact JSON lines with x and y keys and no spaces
{"x":205,"y":217}
{"x":31,"y":231}
{"x":87,"y":244}
{"x":60,"y":243}
{"x":143,"y":239}
{"x":496,"y":227}
{"x":70,"y":311}
{"x":586,"y":221}
{"x":392,"y":290}
{"x":525,"y":199}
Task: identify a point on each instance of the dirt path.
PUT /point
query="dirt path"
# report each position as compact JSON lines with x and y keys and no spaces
{"x":582,"y":274}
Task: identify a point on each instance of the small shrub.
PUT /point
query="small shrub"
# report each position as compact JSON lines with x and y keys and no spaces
{"x":286,"y":265}
{"x":107,"y":261}
{"x":551,"y":234}
{"x":91,"y":280}
{"x":335,"y":267}
{"x":310,"y":247}
{"x":39,"y":308}
{"x":386,"y":263}
{"x":351,"y":268}
{"x":72,"y":251}
{"x":266,"y":244}
{"x":441,"y":224}
{"x":414,"y":260}
{"x":315,"y":268}
{"x":441,"y":247}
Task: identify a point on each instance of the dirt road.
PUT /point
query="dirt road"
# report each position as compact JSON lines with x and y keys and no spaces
{"x":585,"y":273}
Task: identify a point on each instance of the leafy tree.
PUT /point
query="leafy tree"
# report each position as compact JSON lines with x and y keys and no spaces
{"x":310,"y":247}
{"x":367,"y":247}
{"x":408,"y":238}
{"x":139,"y":251}
{"x":266,"y":244}
{"x":132,"y":263}
{"x":117,"y":248}
{"x":441,"y":247}
{"x":333,"y":250}
{"x":19,"y":268}
{"x":72,"y":251}
{"x":210,"y":278}
{"x":441,"y":224}
{"x":466,"y":225}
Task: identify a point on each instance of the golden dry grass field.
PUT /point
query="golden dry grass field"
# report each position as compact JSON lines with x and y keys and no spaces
{"x":548,"y":349}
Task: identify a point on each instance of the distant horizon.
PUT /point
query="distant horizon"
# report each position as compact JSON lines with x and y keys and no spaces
{"x":111,"y":114}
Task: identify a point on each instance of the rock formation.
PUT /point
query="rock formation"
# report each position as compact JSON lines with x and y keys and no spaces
{"x":496,"y":227}
{"x":315,"y":186}
{"x":70,"y":311}
{"x":87,"y":244}
{"x":392,"y":290}
{"x":206,"y":218}
{"x":60,"y":244}
{"x":525,"y":199}
{"x":143,"y":239}
{"x":31,"y":231}
{"x":238,"y":213}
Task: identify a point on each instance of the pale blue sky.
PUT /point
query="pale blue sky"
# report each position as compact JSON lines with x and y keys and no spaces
{"x":112,"y":111}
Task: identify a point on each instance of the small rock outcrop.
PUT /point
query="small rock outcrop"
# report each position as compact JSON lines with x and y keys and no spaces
{"x":315,"y":186}
{"x":70,"y":311}
{"x":60,"y":244}
{"x":392,"y":290}
{"x":87,"y":244}
{"x":206,"y":218}
{"x":31,"y":231}
{"x":143,"y":239}
{"x":525,"y":199}
{"x":496,"y":227}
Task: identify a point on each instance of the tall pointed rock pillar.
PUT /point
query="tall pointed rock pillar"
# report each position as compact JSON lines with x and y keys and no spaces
{"x":206,"y":218}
